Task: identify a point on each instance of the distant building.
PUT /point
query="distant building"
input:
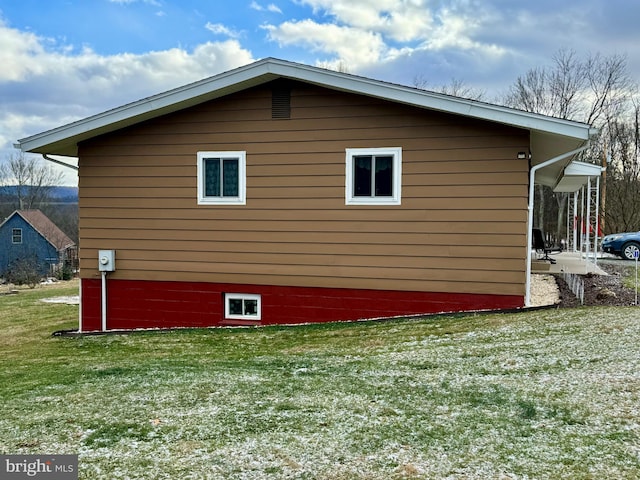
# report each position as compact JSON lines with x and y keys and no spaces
{"x":30,"y":234}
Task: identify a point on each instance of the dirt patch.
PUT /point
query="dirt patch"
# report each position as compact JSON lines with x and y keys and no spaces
{"x":605,"y":290}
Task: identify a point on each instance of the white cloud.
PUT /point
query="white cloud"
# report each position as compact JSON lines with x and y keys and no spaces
{"x":154,"y":3}
{"x":456,"y":30}
{"x":44,"y":85}
{"x":354,"y":46}
{"x":15,"y":47}
{"x":404,"y":20}
{"x":220,"y":29}
{"x":363,"y":33}
{"x":272,"y":7}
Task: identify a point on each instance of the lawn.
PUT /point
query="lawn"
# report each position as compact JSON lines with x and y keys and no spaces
{"x":543,"y":394}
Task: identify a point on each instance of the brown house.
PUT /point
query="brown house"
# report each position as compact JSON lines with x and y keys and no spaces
{"x":283,"y":193}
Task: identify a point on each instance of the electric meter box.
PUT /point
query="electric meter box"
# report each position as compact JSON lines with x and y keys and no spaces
{"x":106,"y":260}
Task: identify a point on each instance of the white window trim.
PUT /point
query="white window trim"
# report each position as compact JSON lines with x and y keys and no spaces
{"x":241,"y":199}
{"x":242,"y":296}
{"x":13,"y":236}
{"x":396,"y":198}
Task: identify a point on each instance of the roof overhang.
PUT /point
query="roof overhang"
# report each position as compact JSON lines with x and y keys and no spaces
{"x":576,"y":175}
{"x":549,"y":136}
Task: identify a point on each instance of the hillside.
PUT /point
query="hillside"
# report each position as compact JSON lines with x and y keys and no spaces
{"x":58,"y":194}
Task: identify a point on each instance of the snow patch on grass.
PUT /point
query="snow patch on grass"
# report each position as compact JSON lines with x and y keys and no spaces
{"x":546,"y":394}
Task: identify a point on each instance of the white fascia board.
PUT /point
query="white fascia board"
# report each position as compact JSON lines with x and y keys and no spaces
{"x":576,"y":175}
{"x":66,"y":137}
{"x":436,"y":101}
{"x":152,"y":107}
{"x":583,"y":169}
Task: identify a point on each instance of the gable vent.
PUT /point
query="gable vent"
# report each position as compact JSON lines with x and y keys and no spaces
{"x":281,"y":103}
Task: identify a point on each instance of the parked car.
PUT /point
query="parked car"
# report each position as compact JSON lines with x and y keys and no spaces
{"x":626,"y":245}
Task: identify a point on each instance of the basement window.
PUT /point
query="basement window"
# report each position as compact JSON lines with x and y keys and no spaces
{"x":373,"y":176}
{"x":16,"y":236}
{"x":222,"y":178}
{"x":242,"y":306}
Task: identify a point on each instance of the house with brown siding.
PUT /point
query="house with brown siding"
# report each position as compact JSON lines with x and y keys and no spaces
{"x":280,"y":193}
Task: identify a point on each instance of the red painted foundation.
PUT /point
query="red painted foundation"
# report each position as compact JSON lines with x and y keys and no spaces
{"x":147,"y":304}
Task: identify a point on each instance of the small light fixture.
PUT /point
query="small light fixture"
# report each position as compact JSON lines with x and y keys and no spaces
{"x":522,"y":155}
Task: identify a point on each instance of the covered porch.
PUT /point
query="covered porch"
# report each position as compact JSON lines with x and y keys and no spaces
{"x":581,"y":182}
{"x":576,"y":263}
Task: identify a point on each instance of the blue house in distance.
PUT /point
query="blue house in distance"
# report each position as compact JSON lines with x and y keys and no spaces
{"x":30,"y":234}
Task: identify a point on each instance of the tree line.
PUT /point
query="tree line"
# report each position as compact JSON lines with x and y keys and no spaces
{"x":597,"y":90}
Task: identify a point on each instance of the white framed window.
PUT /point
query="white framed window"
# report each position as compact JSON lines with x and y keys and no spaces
{"x":222,"y":178}
{"x":373,"y":176}
{"x":242,"y":306}
{"x":16,"y":236}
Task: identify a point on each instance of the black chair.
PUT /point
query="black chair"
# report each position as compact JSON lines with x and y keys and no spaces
{"x":541,"y":246}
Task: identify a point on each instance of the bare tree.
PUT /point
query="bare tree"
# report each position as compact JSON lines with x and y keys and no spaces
{"x":30,"y":181}
{"x":610,"y":88}
{"x":559,"y":91}
{"x":623,"y":174}
{"x":598,"y":91}
{"x":456,"y":88}
{"x":339,"y":66}
{"x":530,"y":92}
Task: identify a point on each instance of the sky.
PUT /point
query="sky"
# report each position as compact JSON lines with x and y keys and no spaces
{"x":64,"y":60}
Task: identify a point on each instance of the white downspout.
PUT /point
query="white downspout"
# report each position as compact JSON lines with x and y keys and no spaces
{"x":575,"y":220}
{"x":532,"y":177}
{"x":103,"y":309}
{"x":73,"y":167}
{"x":80,"y":309}
{"x":47,"y":157}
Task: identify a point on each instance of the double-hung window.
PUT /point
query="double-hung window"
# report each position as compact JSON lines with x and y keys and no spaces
{"x":222,"y":178}
{"x":16,"y":236}
{"x":373,"y":176}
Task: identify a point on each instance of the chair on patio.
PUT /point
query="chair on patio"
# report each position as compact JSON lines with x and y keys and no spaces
{"x":542,"y":248}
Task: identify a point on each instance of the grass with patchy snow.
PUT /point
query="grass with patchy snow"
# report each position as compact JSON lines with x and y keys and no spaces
{"x":546,"y":394}
{"x":631,"y":278}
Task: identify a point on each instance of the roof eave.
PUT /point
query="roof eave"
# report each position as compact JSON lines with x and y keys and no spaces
{"x":64,"y":140}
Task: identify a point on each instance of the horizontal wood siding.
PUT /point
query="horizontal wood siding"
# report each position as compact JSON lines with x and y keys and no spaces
{"x":461,"y":226}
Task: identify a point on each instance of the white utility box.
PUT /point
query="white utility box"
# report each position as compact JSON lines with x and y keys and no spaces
{"x":106,"y":260}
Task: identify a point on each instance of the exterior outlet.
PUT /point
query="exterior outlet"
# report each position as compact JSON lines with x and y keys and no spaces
{"x":106,"y":260}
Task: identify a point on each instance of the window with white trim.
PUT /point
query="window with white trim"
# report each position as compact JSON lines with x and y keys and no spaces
{"x":16,"y":236}
{"x":222,"y":178}
{"x":373,"y":176}
{"x":242,"y":306}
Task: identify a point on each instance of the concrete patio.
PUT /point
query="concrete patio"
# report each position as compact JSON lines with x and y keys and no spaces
{"x":566,"y":262}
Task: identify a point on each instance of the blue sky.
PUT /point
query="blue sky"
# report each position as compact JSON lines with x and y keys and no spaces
{"x":63,"y":60}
